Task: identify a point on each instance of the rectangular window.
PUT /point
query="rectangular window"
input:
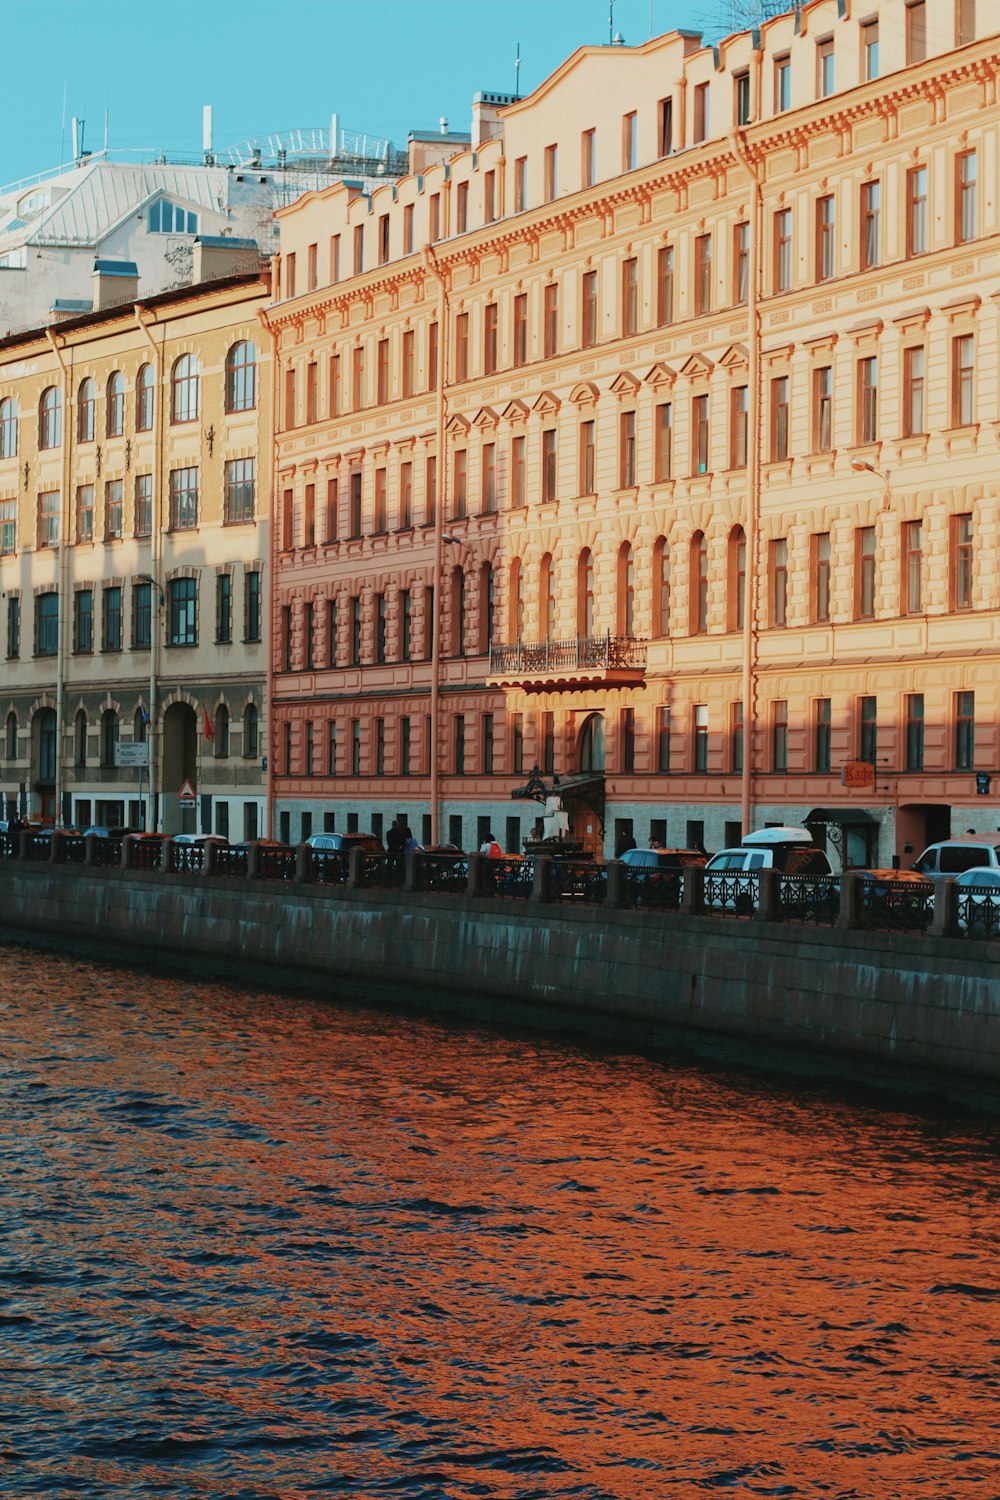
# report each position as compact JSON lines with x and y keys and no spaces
{"x":383,"y":239}
{"x":405,"y":625}
{"x":823,"y":409}
{"x":663,"y":739}
{"x":408,"y":229}
{"x":13,"y":634}
{"x":46,"y":624}
{"x":821,"y":576}
{"x":783,"y":250}
{"x":916,"y":211}
{"x":84,"y":513}
{"x":701,"y":737}
{"x":182,"y":612}
{"x":548,"y":729}
{"x":779,"y":735}
{"x":359,"y":249}
{"x":486,"y":740}
{"x":871,"y":239}
{"x":332,"y":510}
{"x":335,"y":391}
{"x":864,"y":608}
{"x":459,"y":743}
{"x":628,"y":741}
{"x":961,"y":552}
{"x":913,"y":561}
{"x":916,"y":32}
{"x":405,"y":495}
{"x":629,"y":141}
{"x":965,"y":22}
{"x":459,"y":487}
{"x":355,"y":517}
{"x":665,"y":286}
{"x":430,"y":490}
{"x":962,"y":388}
{"x":83,"y":621}
{"x":309,"y":518}
{"x":782,"y":84}
{"x":290,"y":275}
{"x":334,"y":258}
{"x":520,"y":184}
{"x":586,"y":468}
{"x":700,"y":132}
{"x":287,"y":520}
{"x":331,"y":632}
{"x":358,"y":378}
{"x":550,"y":324}
{"x":913,"y":392}
{"x":869,"y":51}
{"x":824,"y":67}
{"x":380,"y":628}
{"x":699,"y":435}
{"x":311,"y":410}
{"x":741,"y":263}
{"x":825,"y":237}
{"x":405,"y":744}
{"x":965,"y":731}
{"x":408,"y":363}
{"x":965,"y":197}
{"x":434,"y":218}
{"x":8,"y":527}
{"x":355,"y":747}
{"x":779,"y":581}
{"x":822,"y":743}
{"x":114,"y":508}
{"x":142,"y":616}
{"x":630,"y":296}
{"x":489,"y":197}
{"x":666,"y":126}
{"x":223,"y":608}
{"x":381,"y":516}
{"x":488,"y":496}
{"x":738,"y":427}
{"x":331,"y":747}
{"x":433,"y":362}
{"x":588,"y":158}
{"x":287,"y":638}
{"x":251,"y":606}
{"x":48,"y":518}
{"x":462,"y":346}
{"x":741,"y":84}
{"x":355,"y":631}
{"x":626,"y":451}
{"x":868,"y":730}
{"x":663,"y":455}
{"x":868,"y":399}
{"x":382,"y":371}
{"x":736,"y":737}
{"x":517,"y":484}
{"x":240,"y":490}
{"x":548,"y":464}
{"x":914,"y":731}
{"x":490,"y":345}
{"x":703,"y":273}
{"x":517,"y":744}
{"x":289,"y":399}
{"x":588,"y":309}
{"x":551,"y":178}
{"x":521,"y":329}
{"x":779,"y":418}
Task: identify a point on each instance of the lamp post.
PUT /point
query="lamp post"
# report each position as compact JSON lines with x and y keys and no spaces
{"x":862,"y":466}
{"x":154,"y":642}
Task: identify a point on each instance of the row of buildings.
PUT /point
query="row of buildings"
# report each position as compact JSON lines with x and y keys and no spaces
{"x":648,"y":436}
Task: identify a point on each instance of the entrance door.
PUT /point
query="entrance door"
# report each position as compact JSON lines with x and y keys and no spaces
{"x":180,"y":764}
{"x":920,"y":824}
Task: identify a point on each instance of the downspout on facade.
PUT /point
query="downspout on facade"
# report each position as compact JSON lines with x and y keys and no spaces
{"x":430,"y":260}
{"x":62,"y":574}
{"x":267,"y":707}
{"x":157,"y":590}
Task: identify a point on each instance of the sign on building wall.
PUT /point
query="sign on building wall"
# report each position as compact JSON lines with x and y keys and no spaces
{"x":135,"y":754}
{"x":859,"y":773}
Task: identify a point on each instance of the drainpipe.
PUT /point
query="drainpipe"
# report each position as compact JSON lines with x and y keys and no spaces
{"x":62,"y":571}
{"x":430,"y":261}
{"x":265,"y":593}
{"x":739,"y":144}
{"x":145,"y":321}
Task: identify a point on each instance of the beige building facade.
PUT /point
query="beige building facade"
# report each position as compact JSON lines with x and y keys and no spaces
{"x":134,"y":536}
{"x":673,"y":403}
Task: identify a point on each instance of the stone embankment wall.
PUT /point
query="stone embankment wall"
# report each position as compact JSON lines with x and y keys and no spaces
{"x":869,"y":1004}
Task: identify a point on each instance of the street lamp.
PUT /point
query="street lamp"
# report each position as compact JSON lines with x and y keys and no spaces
{"x":862,"y":466}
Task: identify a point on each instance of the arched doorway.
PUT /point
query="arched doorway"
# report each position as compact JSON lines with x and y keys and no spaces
{"x":44,"y":748}
{"x":591,"y":743}
{"x":180,"y":763}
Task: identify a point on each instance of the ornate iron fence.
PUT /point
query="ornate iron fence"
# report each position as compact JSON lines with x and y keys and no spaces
{"x":72,"y":849}
{"x":40,"y":845}
{"x":730,"y":895}
{"x":327,"y":867}
{"x":275,"y":864}
{"x":147,"y":854}
{"x":809,"y":898}
{"x":978,"y":913}
{"x":231,"y":861}
{"x":8,"y":845}
{"x":383,"y":871}
{"x":107,"y":853}
{"x":579,"y":880}
{"x":190,"y":857}
{"x":896,"y":905}
{"x":541,"y":657}
{"x":514,"y":878}
{"x":443,"y":872}
{"x":656,"y":890}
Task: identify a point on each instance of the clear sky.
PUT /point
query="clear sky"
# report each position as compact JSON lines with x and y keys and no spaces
{"x":385,"y":66}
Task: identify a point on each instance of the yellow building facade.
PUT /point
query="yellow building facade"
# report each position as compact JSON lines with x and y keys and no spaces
{"x":134,"y":535}
{"x":674,"y":401}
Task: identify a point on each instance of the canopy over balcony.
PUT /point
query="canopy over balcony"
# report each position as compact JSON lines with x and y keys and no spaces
{"x":547,"y":666}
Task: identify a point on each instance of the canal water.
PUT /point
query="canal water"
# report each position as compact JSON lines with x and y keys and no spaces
{"x":264,"y":1246}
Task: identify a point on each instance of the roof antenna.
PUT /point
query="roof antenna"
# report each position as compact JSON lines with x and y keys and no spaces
{"x":62,"y":135}
{"x":517,"y":73}
{"x":611,"y":23}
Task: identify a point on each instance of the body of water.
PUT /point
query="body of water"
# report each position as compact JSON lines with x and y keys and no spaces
{"x":255,"y":1245}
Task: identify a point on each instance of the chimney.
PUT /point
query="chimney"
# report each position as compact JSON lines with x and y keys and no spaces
{"x":114,"y":281}
{"x":219,"y":255}
{"x":486,"y":122}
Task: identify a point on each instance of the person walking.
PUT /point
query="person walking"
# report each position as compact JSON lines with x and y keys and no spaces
{"x":490,"y":847}
{"x":625,"y":842}
{"x":395,"y":839}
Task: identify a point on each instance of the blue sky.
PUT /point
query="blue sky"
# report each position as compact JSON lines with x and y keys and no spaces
{"x":385,"y":66}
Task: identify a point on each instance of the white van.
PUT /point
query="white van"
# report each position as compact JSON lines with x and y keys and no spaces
{"x":954,"y":856}
{"x":790,"y":850}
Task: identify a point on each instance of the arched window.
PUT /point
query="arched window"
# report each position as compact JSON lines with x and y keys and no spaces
{"x":591,"y":744}
{"x":737,"y":579}
{"x":184,"y":389}
{"x":516,"y":600}
{"x":487,"y":606}
{"x":8,"y":428}
{"x":241,"y":377}
{"x":250,"y":741}
{"x":699,"y":584}
{"x":115,"y":423}
{"x":10,"y":738}
{"x":458,"y":612}
{"x":85,"y":403}
{"x":109,"y":736}
{"x":626,"y":590}
{"x":80,"y":737}
{"x":50,"y":418}
{"x":222,"y":732}
{"x":547,"y":598}
{"x":144,"y":396}
{"x":585,"y":594}
{"x":661,"y":586}
{"x":139,"y":725}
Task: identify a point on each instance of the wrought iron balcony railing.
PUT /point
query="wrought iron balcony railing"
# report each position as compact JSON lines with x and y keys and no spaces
{"x":609,"y":653}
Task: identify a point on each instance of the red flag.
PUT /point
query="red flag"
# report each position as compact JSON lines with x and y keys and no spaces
{"x":209,"y":727}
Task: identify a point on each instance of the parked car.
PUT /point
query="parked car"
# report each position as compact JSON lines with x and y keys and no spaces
{"x":343,"y":843}
{"x":199,"y":840}
{"x":953,"y":856}
{"x":897,"y":898}
{"x":788,"y":850}
{"x":654,"y":875}
{"x":979,"y":901}
{"x":106,"y":831}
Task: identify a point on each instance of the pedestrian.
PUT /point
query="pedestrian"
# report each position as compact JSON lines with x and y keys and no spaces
{"x":624,"y":843}
{"x":409,"y":842}
{"x":395,"y":839}
{"x":490,"y":847}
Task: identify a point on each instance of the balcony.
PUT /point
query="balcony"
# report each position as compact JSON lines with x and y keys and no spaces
{"x":546,"y":666}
